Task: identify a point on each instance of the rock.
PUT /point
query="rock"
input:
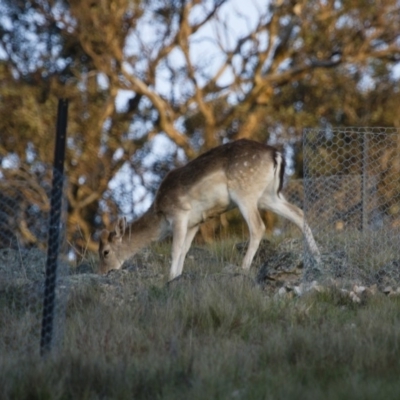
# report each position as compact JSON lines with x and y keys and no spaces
{"x":313,"y":286}
{"x":316,"y":287}
{"x":395,"y":293}
{"x":358,"y":290}
{"x":282,"y":267}
{"x":354,"y":297}
{"x":387,"y":290}
{"x":291,"y":246}
{"x":298,"y":290}
{"x":282,"y":291}
{"x":306,"y":287}
{"x":372,"y":290}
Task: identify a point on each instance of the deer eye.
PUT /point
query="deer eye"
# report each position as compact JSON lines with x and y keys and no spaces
{"x":106,"y":253}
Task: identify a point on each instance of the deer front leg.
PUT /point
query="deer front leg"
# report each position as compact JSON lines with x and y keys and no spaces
{"x":181,"y":241}
{"x":191,"y":233}
{"x":178,"y":240}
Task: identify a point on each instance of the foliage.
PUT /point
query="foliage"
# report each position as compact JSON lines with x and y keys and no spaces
{"x":196,"y":74}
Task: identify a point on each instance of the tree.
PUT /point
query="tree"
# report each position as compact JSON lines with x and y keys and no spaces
{"x":192,"y":78}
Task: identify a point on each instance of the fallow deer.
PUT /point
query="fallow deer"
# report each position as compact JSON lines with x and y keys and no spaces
{"x":244,"y":174}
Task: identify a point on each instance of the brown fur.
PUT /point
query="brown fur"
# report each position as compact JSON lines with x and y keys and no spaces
{"x":243,"y":174}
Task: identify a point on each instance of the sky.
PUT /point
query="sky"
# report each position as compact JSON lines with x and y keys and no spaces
{"x":241,"y":16}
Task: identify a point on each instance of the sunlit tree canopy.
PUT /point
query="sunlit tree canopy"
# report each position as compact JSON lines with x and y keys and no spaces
{"x":153,"y":83}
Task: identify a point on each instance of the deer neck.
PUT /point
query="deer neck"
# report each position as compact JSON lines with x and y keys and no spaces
{"x":150,"y":227}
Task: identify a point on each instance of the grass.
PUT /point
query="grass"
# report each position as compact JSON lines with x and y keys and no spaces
{"x":371,"y":250}
{"x":210,"y":335}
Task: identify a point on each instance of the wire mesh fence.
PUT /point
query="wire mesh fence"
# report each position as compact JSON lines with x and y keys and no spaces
{"x":352,"y":201}
{"x":24,"y":232}
{"x":350,"y":195}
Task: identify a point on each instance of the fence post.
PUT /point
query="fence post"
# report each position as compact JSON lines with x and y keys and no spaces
{"x":54,"y":229}
{"x":364,"y":180}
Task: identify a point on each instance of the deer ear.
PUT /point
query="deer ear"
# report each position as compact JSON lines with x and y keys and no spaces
{"x":120,"y":228}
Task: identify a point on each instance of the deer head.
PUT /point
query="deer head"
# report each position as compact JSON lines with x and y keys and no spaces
{"x":111,"y":247}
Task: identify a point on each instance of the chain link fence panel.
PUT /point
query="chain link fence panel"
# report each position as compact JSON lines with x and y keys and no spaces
{"x":352,"y":202}
{"x":24,"y":230}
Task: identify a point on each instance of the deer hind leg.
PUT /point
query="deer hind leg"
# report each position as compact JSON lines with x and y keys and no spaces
{"x":279,"y":205}
{"x":256,"y":229}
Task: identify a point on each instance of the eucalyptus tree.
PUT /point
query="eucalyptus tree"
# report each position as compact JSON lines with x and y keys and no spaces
{"x":189,"y":74}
